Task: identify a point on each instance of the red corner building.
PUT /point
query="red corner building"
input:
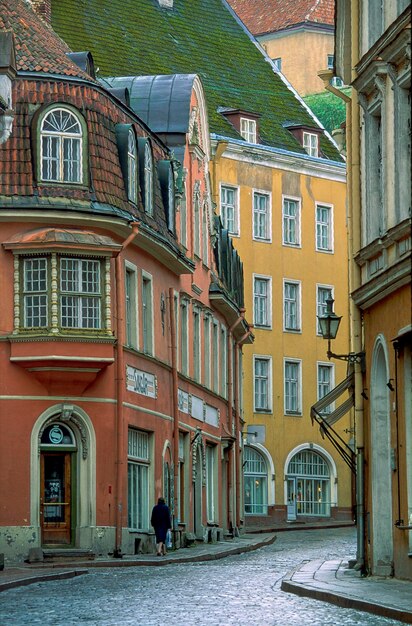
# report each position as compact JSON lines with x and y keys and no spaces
{"x":122,"y":319}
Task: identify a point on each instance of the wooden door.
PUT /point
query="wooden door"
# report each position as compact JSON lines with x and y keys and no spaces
{"x":56,"y":498}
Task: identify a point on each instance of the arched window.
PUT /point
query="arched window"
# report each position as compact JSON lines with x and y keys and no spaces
{"x":309,"y":483}
{"x":256,"y":486}
{"x":131,"y":167}
{"x":61,"y":147}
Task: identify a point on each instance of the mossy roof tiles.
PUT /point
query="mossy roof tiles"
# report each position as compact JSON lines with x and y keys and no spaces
{"x":138,"y":37}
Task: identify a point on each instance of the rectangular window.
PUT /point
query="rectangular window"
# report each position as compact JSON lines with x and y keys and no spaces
{"x":196,"y":345}
{"x":205,"y":237}
{"x":138,"y":479}
{"x":325,"y":382}
{"x":262,"y":383}
{"x":131,"y":306}
{"x":80,"y":299}
{"x":248,"y":129}
{"x":262,"y":301}
{"x":291,"y":222}
{"x":184,"y":354}
{"x":261,"y":216}
{"x":210,"y":484}
{"x":206,"y":351}
{"x":183,"y":218}
{"x":292,"y":388}
{"x":323,"y":293}
{"x":331,"y":59}
{"x":278,"y":63}
{"x":35,"y":293}
{"x":147,"y":313}
{"x":215,"y":357}
{"x":229,"y":211}
{"x":196,"y":219}
{"x":324,"y":228}
{"x":223,"y":362}
{"x":310,"y":144}
{"x":291,"y":305}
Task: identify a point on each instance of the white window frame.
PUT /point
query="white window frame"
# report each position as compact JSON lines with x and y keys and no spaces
{"x":235,"y":231}
{"x":148,"y":178}
{"x":61,"y":138}
{"x":197,"y":344}
{"x":298,"y":302}
{"x":320,"y":306}
{"x":183,"y":217}
{"x":207,"y":361}
{"x":298,"y":363}
{"x":320,"y":224}
{"x":211,"y":484}
{"x":330,"y":61}
{"x":131,"y":306}
{"x":268,"y":359}
{"x":38,"y":298}
{"x":268,"y":306}
{"x":140,"y":458}
{"x":147,"y":315}
{"x":132,"y":166}
{"x":223,"y":374}
{"x":79,"y":295}
{"x":331,"y":368}
{"x":277,"y":62}
{"x":267,"y":238}
{"x":184,"y":336}
{"x":248,"y":129}
{"x":311,"y":143}
{"x":215,"y":357}
{"x":296,"y":220}
{"x":196,"y":219}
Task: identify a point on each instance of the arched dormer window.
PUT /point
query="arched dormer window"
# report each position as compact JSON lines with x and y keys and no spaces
{"x":146,"y":174}
{"x":132,"y":167}
{"x":61,"y":150}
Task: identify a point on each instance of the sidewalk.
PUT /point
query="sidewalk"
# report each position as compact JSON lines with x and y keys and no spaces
{"x":334,"y":582}
{"x":330,"y":581}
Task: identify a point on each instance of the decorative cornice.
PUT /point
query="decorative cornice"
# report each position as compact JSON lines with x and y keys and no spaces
{"x":388,"y":281}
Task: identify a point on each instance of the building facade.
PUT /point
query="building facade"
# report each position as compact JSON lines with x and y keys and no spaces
{"x":373,"y":53}
{"x":272,"y":164}
{"x":122,"y":322}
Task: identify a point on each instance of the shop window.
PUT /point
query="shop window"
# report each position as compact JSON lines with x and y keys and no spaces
{"x":256,"y":485}
{"x":138,"y":479}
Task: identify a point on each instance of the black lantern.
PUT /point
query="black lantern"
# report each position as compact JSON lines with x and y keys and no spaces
{"x":329,"y":322}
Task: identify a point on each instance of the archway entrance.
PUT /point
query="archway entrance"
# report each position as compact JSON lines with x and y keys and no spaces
{"x":308,"y":486}
{"x":57,"y":485}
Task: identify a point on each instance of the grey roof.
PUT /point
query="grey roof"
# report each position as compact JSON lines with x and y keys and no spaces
{"x":162,"y":102}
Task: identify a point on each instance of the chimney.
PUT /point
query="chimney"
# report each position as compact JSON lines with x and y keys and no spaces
{"x":43,"y":9}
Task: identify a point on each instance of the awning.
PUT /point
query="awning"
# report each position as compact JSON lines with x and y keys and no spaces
{"x":326,"y":420}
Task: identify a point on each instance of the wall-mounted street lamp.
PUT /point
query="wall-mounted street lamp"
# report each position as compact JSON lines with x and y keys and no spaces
{"x":329,"y":325}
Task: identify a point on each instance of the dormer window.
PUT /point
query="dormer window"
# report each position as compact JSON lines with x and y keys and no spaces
{"x":61,"y":147}
{"x":245,"y":122}
{"x":311,"y":144}
{"x":132,"y":167}
{"x":146,"y":174}
{"x":167,"y":186}
{"x":248,"y":129}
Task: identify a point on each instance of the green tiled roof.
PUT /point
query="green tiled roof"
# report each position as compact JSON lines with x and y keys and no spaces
{"x":328,"y":108}
{"x":136,"y":37}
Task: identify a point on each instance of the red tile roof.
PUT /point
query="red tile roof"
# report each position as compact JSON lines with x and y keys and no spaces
{"x":38,"y":47}
{"x":265,"y":16}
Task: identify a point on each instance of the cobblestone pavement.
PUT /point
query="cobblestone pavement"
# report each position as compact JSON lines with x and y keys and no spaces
{"x":241,"y":590}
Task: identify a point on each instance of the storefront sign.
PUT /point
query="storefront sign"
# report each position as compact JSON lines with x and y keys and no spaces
{"x":141,"y":382}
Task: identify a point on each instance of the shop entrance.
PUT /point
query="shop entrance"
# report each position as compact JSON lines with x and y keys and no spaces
{"x":55,"y":498}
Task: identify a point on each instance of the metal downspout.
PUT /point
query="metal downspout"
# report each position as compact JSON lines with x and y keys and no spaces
{"x":120,"y":430}
{"x":175,"y":405}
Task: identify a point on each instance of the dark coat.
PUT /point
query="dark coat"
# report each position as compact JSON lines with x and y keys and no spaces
{"x":161,"y":521}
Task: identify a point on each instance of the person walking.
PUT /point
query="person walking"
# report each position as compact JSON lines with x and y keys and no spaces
{"x":161,"y":523}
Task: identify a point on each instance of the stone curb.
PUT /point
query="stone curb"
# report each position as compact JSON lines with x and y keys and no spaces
{"x":344,"y":601}
{"x":39,"y":578}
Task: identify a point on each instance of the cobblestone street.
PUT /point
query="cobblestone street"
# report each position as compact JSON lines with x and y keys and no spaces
{"x":239,"y":590}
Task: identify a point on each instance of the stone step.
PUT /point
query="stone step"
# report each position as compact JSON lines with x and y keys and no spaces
{"x":53,"y":555}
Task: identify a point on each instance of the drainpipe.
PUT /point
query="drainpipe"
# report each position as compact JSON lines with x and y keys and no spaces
{"x":237,"y":424}
{"x":175,"y":401}
{"x":120,"y":430}
{"x":354,"y":244}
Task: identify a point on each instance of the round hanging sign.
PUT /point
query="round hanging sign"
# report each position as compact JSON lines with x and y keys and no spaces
{"x":56,"y":434}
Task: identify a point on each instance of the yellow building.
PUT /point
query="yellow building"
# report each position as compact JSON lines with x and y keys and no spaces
{"x":286,"y":213}
{"x":298,"y":37}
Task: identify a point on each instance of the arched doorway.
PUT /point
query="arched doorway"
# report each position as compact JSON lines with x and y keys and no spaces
{"x":63,"y":477}
{"x":255,"y":482}
{"x":198,"y":475}
{"x":308,"y":485}
{"x":380,"y":478}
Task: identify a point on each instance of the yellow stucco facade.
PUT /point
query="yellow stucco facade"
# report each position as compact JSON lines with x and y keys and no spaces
{"x":304,"y":53}
{"x":282,"y":433}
